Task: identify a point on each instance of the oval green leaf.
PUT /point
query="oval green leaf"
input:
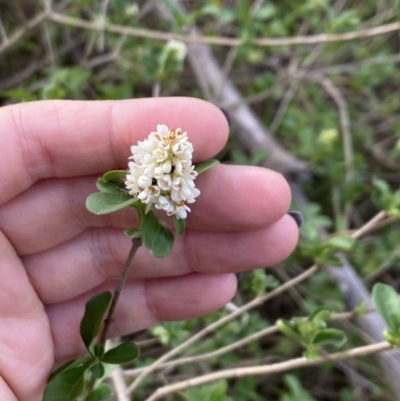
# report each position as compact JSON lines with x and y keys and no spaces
{"x":101,"y":393}
{"x":67,"y":386}
{"x":180,"y":225}
{"x":157,"y":238}
{"x":387,"y":303}
{"x":123,"y":353}
{"x":105,"y":202}
{"x":206,"y":165}
{"x":330,"y":336}
{"x":97,"y":370}
{"x":288,"y":330}
{"x":98,"y":350}
{"x":69,"y":365}
{"x":115,"y":175}
{"x":341,"y":242}
{"x":106,"y":186}
{"x":92,"y":319}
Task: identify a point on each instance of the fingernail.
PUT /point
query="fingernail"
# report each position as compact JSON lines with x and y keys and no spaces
{"x":227,"y":116}
{"x":239,"y":276}
{"x":297,"y":216}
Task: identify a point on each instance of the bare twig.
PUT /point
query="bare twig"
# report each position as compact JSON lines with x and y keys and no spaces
{"x":104,"y":6}
{"x":341,"y":103}
{"x":293,"y":88}
{"x":119,"y":384}
{"x":136,"y":242}
{"x":226,"y":68}
{"x":222,"y":41}
{"x":269,"y":369}
{"x":19,"y":33}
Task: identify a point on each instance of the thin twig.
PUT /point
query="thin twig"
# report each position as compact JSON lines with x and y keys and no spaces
{"x":136,"y":242}
{"x":369,"y":224}
{"x":119,"y":384}
{"x":104,"y":6}
{"x":344,"y":118}
{"x":226,"y":68}
{"x":19,"y":33}
{"x":293,"y":88}
{"x":269,"y":369}
{"x":222,"y":41}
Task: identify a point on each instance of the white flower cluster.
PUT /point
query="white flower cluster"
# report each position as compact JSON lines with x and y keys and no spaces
{"x":161,"y":171}
{"x":178,"y":48}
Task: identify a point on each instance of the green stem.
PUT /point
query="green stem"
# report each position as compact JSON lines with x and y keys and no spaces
{"x":136,"y":242}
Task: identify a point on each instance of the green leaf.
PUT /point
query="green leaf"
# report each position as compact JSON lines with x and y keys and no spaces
{"x":330,"y":336}
{"x":104,"y":203}
{"x":97,"y":370}
{"x":157,"y":238}
{"x":98,"y":350}
{"x":123,"y":353}
{"x":387,"y":303}
{"x":180,"y":225}
{"x":69,"y":365}
{"x":107,"y":186}
{"x":67,"y":386}
{"x":92,"y":319}
{"x":206,"y":165}
{"x":115,"y":175}
{"x":319,"y":315}
{"x":287,"y":328}
{"x":101,"y":393}
{"x":342,"y":242}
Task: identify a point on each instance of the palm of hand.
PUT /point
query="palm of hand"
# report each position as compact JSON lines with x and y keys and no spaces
{"x":54,"y":255}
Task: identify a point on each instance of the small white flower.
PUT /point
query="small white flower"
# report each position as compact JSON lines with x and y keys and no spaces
{"x":179,"y":48}
{"x":161,"y":171}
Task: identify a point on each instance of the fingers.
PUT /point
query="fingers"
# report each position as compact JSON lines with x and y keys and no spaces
{"x":233,"y":198}
{"x":25,"y":340}
{"x":142,"y":304}
{"x":97,"y":256}
{"x":75,"y":138}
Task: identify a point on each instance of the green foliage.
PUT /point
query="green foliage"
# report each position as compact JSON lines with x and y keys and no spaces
{"x":71,"y":380}
{"x":312,"y":332}
{"x":324,"y":253}
{"x":95,"y":310}
{"x":101,"y":393}
{"x":67,"y":385}
{"x":212,"y":392}
{"x":295,"y":391}
{"x":122,"y":353}
{"x":105,"y":203}
{"x":387,"y":303}
{"x":387,"y":199}
{"x":157,"y":238}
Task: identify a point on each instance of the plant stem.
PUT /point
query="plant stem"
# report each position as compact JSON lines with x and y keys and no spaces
{"x":136,"y":242}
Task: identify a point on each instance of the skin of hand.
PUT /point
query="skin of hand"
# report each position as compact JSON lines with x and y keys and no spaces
{"x":54,"y":254}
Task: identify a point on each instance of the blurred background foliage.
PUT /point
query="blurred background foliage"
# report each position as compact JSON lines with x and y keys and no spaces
{"x":55,"y":60}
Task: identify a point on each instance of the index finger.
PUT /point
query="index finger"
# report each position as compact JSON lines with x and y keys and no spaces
{"x":73,"y":138}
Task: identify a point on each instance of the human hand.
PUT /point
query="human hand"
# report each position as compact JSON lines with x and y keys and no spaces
{"x":54,"y":254}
